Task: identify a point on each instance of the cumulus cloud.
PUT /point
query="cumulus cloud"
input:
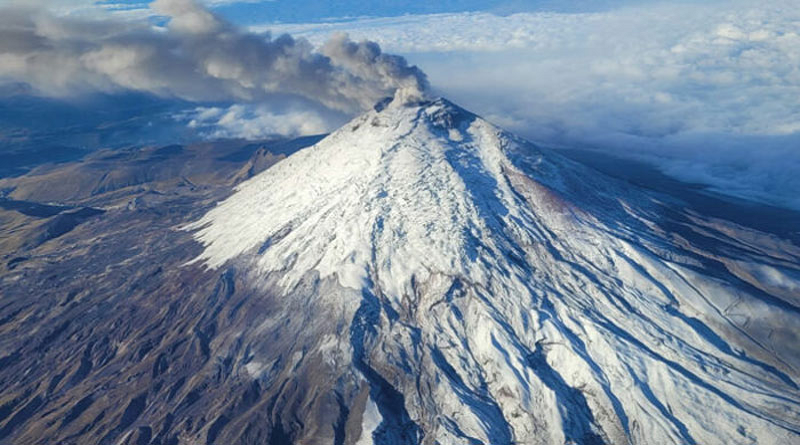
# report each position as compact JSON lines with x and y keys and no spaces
{"x":707,"y":91}
{"x":198,"y":56}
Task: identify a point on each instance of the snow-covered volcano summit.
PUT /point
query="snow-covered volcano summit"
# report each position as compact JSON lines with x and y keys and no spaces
{"x":404,"y":193}
{"x":459,"y":285}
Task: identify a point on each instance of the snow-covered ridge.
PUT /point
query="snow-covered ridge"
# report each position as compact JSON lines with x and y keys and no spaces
{"x":408,"y":191}
{"x":509,"y":295}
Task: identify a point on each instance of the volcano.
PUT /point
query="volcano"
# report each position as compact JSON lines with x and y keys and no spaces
{"x":433,"y":279}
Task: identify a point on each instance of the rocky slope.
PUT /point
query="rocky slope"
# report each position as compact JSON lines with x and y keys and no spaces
{"x":482,"y":290}
{"x":419,"y":276}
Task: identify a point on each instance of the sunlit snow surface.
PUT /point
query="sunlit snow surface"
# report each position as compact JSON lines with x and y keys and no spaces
{"x":510,"y":295}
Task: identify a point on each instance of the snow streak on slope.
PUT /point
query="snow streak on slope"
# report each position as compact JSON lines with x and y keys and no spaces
{"x":498,"y":293}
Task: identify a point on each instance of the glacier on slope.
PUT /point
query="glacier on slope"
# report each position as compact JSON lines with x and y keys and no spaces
{"x":460,"y":285}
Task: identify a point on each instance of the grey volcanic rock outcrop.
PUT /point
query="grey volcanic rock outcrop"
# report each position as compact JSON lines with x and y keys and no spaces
{"x":418,"y":276}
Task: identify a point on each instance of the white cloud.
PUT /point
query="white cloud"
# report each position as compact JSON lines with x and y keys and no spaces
{"x":255,"y":122}
{"x":708,"y":91}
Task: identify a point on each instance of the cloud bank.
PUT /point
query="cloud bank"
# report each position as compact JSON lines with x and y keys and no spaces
{"x":258,"y":121}
{"x":708,"y":92}
{"x":198,"y":56}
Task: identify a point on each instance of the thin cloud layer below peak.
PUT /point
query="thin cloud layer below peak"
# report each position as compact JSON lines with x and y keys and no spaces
{"x":256,"y":122}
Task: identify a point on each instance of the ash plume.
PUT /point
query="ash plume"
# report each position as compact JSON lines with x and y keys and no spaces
{"x":197,"y":56}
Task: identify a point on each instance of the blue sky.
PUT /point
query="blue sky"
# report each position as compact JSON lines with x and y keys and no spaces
{"x":252,"y":12}
{"x":318,"y":10}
